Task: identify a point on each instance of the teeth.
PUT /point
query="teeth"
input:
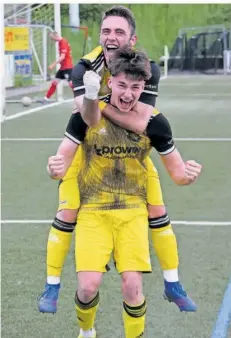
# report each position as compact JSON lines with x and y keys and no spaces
{"x":127,"y":101}
{"x":112,"y":46}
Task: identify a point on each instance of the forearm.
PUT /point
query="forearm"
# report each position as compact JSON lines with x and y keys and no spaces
{"x":90,"y":112}
{"x":175,"y":166}
{"x":133,"y":120}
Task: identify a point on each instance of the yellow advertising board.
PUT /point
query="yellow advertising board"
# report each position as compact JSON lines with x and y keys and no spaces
{"x":16,"y":39}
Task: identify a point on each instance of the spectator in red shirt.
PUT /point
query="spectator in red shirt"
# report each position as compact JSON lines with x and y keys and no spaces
{"x":65,"y":61}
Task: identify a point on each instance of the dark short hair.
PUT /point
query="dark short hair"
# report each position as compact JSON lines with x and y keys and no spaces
{"x":132,"y":62}
{"x":122,"y":12}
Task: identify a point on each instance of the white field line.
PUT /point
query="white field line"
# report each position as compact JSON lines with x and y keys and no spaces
{"x":34,"y":110}
{"x":198,"y":95}
{"x":43,"y":107}
{"x":196,"y":223}
{"x":179,"y":139}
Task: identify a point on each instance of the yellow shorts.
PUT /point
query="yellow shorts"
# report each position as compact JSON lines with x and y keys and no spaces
{"x":123,"y":232}
{"x":69,"y":192}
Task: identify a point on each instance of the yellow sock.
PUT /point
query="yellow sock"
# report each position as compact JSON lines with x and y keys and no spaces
{"x":58,"y":245}
{"x":164,"y":243}
{"x":86,"y":312}
{"x":134,"y":320}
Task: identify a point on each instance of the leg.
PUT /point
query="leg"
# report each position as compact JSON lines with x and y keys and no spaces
{"x":59,"y":241}
{"x":134,"y":305}
{"x":132,"y":256}
{"x":164,"y":242}
{"x":93,"y":247}
{"x":52,"y":89}
{"x":87,"y":301}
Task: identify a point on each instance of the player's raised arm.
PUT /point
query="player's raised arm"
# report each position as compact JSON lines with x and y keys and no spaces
{"x":86,"y":85}
{"x":90,"y":111}
{"x":160,"y":134}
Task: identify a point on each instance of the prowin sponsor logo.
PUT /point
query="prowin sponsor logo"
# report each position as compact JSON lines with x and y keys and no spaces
{"x":117,"y":151}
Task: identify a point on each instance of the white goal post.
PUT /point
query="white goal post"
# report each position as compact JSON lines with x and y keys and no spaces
{"x":227,"y":61}
{"x":164,"y":60}
{"x":25,"y":48}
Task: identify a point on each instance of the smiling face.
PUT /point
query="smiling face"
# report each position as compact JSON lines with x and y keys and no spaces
{"x":126,"y":91}
{"x":115,"y":33}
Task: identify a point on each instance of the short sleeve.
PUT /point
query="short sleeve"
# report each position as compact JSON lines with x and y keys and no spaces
{"x":77,"y":77}
{"x":150,"y":91}
{"x":160,"y":134}
{"x":76,"y":128}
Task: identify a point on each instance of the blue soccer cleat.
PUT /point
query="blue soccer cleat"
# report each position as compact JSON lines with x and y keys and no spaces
{"x":175,"y":293}
{"x":47,"y":301}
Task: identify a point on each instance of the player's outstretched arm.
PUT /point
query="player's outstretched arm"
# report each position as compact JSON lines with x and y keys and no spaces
{"x":90,"y":111}
{"x":135,"y":120}
{"x":182,"y":173}
{"x":58,"y":164}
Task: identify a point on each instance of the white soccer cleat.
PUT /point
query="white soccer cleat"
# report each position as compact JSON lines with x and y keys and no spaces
{"x":87,"y":334}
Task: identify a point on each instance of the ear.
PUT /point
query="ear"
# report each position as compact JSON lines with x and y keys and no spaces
{"x":133,"y":40}
{"x":109,"y":82}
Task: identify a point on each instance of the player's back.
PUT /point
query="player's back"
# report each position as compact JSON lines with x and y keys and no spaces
{"x":113,"y":171}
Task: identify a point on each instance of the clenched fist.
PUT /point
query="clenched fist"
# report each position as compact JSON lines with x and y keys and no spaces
{"x":91,"y":81}
{"x":56,"y":167}
{"x":192,"y":170}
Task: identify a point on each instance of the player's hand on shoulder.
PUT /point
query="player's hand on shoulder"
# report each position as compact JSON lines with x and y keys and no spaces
{"x":192,"y":170}
{"x":91,"y":81}
{"x":56,"y":167}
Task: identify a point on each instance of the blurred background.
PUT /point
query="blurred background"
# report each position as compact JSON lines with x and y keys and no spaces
{"x":191,"y":43}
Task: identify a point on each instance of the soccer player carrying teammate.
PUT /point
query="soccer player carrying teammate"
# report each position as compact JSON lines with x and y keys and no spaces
{"x":66,"y":64}
{"x":117,"y":30}
{"x":112,"y":183}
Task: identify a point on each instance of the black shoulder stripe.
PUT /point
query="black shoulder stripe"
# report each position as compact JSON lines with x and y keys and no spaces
{"x":98,"y":60}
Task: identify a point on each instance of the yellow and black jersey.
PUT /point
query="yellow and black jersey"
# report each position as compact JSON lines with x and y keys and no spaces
{"x":113,"y":172}
{"x":95,"y":61}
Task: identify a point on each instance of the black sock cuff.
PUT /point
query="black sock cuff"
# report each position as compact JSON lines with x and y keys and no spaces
{"x":135,"y":311}
{"x":63,"y":226}
{"x":159,"y":222}
{"x":86,"y":306}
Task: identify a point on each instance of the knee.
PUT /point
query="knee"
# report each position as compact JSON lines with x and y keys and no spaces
{"x":88,"y":285}
{"x":155,"y":211}
{"x":132,"y":290}
{"x":67,"y":215}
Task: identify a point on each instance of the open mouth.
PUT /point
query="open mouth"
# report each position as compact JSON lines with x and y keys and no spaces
{"x":125,"y":104}
{"x":111,"y":48}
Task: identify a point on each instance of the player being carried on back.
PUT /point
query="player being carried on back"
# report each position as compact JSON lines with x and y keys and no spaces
{"x":113,"y":189}
{"x":118,"y":29}
{"x":66,"y":65}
